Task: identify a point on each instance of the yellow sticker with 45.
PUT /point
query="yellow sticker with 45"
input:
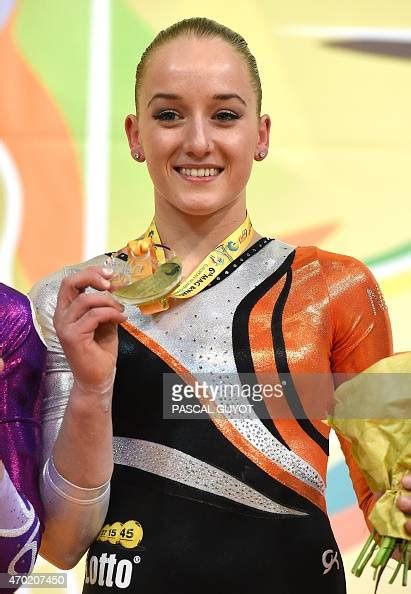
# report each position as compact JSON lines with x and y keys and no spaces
{"x":128,"y":535}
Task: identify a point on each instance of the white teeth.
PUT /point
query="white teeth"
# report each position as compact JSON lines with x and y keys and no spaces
{"x":199,"y":172}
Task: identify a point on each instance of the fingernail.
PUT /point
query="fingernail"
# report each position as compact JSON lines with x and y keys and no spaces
{"x":406,"y":481}
{"x":107,"y":271}
{"x":106,"y":284}
{"x":402,"y":501}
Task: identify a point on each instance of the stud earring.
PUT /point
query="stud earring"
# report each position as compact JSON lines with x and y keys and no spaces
{"x":136,"y":156}
{"x":262,"y":154}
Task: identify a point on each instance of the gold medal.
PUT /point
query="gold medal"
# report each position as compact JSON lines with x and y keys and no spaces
{"x":154,"y":287}
{"x":147,"y":273}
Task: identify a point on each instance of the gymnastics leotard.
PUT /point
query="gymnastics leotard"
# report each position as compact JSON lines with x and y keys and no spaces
{"x":226,"y":504}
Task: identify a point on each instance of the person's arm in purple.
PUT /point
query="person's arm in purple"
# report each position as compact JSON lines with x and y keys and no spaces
{"x":23,"y":358}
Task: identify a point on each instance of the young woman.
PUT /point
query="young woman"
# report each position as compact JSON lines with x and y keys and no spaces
{"x":220,"y":503}
{"x":22,"y":360}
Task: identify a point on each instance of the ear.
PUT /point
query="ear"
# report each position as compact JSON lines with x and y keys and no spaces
{"x":133,"y":137}
{"x":263,"y":142}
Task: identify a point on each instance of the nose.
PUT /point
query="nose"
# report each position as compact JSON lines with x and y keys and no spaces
{"x":197,"y":140}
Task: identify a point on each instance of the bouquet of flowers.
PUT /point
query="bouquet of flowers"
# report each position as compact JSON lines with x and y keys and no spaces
{"x":373,"y":411}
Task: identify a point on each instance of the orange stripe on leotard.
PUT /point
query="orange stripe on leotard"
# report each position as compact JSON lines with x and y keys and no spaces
{"x":262,"y":349}
{"x":228,"y":430}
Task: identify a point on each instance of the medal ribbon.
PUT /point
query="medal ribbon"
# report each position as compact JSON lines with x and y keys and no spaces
{"x":210,"y":267}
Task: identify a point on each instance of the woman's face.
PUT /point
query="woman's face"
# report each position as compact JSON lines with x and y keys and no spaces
{"x":197,"y":125}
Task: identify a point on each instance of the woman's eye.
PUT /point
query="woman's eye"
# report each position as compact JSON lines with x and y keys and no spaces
{"x":166,"y":116}
{"x":227,"y":116}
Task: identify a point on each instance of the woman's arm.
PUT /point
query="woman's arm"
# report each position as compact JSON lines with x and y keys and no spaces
{"x":361,"y":337}
{"x":20,"y":392}
{"x":76,"y":417}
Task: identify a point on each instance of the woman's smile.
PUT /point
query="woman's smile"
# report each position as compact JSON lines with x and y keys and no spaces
{"x":199,"y":174}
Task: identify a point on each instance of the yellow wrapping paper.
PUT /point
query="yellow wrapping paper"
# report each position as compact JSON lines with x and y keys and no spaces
{"x":381,"y":445}
{"x":373,"y":411}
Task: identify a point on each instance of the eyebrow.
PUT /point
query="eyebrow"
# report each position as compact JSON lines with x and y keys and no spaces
{"x":225,"y":96}
{"x":218,"y":97}
{"x":164,"y":96}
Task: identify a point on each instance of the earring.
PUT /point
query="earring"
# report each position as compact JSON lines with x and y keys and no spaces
{"x":262,"y":154}
{"x":136,"y":156}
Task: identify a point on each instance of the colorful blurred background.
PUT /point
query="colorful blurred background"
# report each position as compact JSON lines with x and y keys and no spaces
{"x":336,"y":82}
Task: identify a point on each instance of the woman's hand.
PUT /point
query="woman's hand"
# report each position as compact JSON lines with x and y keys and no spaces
{"x":404,"y":502}
{"x":86,"y":325}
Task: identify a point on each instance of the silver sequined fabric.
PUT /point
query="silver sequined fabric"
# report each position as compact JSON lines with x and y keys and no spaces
{"x":183,"y":468}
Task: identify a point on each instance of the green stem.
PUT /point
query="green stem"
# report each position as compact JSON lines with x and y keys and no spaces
{"x":365,"y":561}
{"x":388,"y":552}
{"x":386,"y":547}
{"x":363,"y":552}
{"x":384,"y":562}
{"x":399,"y":563}
{"x":379,"y":570}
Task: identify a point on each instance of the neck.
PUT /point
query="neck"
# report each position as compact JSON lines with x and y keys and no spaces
{"x":193,"y":237}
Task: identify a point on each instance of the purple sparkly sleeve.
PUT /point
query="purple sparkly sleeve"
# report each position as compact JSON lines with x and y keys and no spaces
{"x":21,"y":383}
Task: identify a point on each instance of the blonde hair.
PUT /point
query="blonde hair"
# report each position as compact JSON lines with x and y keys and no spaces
{"x":202,"y":27}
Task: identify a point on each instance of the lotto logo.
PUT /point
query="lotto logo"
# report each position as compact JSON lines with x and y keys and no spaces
{"x":105,"y":571}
